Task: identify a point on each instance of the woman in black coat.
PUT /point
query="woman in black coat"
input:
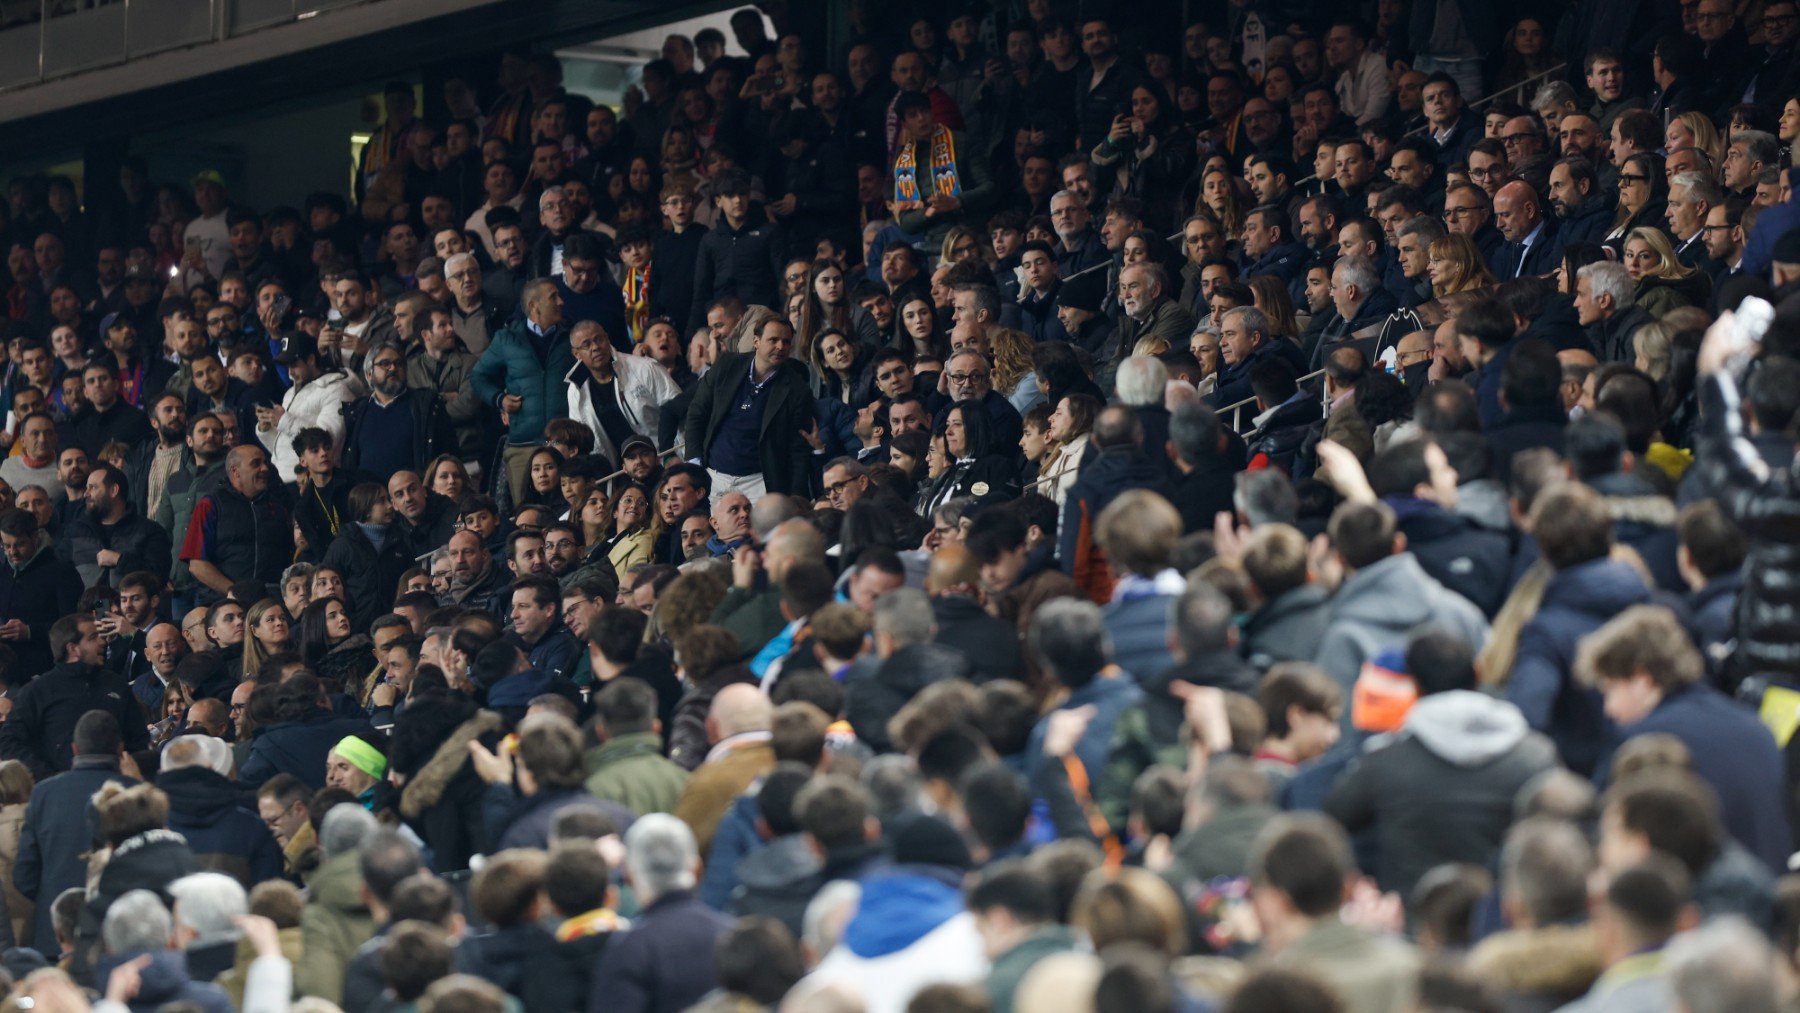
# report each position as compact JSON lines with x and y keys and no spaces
{"x":978,"y":467}
{"x":331,"y":650}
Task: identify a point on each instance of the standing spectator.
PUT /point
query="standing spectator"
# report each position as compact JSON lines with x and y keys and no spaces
{"x":368,"y":553}
{"x":751,"y":416}
{"x":203,"y":808}
{"x":395,"y":428}
{"x":111,"y":539}
{"x":664,"y":962}
{"x":239,"y":531}
{"x":316,"y":400}
{"x":737,"y":257}
{"x":39,"y":731}
{"x":37,"y":587}
{"x":521,"y":374}
{"x":59,"y":829}
{"x":616,"y":396}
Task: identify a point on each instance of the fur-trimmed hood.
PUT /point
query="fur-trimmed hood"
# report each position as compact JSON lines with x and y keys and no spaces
{"x":1560,"y":961}
{"x":424,"y":789}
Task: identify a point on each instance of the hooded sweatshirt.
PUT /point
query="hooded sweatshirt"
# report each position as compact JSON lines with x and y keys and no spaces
{"x":1442,"y":788}
{"x":910,"y":931}
{"x":1379,"y":606}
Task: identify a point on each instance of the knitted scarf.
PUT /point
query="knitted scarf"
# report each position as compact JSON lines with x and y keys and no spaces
{"x":944,"y":180}
{"x":637,"y":301}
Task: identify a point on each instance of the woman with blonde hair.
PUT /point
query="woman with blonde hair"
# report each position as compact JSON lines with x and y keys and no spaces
{"x":1664,"y":283}
{"x":1455,"y":265}
{"x":1014,"y":376}
{"x":1271,"y":296}
{"x":1654,"y":347}
{"x":1219,"y":194}
{"x":960,"y":243}
{"x":266,"y":634}
{"x":1695,"y":130}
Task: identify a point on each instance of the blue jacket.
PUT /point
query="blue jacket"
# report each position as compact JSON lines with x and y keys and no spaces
{"x":1772,"y":224}
{"x":225,"y":837}
{"x":1110,"y":698}
{"x":1102,"y":478}
{"x":664,"y":962}
{"x":511,"y":365}
{"x":1714,"y":609}
{"x":1577,"y":601}
{"x":1733,"y":752}
{"x":1138,"y":623}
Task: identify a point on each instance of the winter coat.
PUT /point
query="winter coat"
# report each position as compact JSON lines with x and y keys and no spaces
{"x":1282,"y":431}
{"x":149,"y":861}
{"x":641,"y":387}
{"x":432,"y":432}
{"x":1287,"y":628}
{"x":511,"y":366}
{"x":1374,"y":973}
{"x":1149,"y":731}
{"x":41,"y":728}
{"x":166,"y":980}
{"x":876,"y":688}
{"x":1645,"y":520}
{"x":978,"y":192}
{"x":184,"y":488}
{"x":60,"y":828}
{"x":19,"y":908}
{"x":1657,"y":296}
{"x":140,"y":543}
{"x":334,"y":924}
{"x":1112,"y":694}
{"x":910,"y":931}
{"x":1103,"y":477}
{"x":1751,"y":802}
{"x":1523,"y":428}
{"x":1012,"y":964}
{"x":1452,"y":550}
{"x":1764,"y":502}
{"x":442,"y":798}
{"x":741,"y":262}
{"x":1441,"y":789}
{"x":524,"y":822}
{"x":370,"y":574}
{"x":688,"y":740}
{"x":320,"y":403}
{"x":716,"y":782}
{"x":631,"y":770}
{"x":298,"y":748}
{"x":1379,"y":606}
{"x":224,"y":836}
{"x":38,"y":593}
{"x":777,"y":880}
{"x":1137,"y":620}
{"x":991,"y":647}
{"x":518,"y":960}
{"x":1539,"y":968}
{"x":664,"y":962}
{"x":1576,"y":602}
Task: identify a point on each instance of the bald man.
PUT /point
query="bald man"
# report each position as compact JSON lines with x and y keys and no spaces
{"x":1531,"y":248}
{"x":990,"y":644}
{"x":1412,"y":358}
{"x":738,"y":729}
{"x":1447,"y":362}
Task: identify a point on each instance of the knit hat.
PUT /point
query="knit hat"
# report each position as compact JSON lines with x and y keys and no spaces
{"x":1083,"y":291}
{"x":1787,"y":248}
{"x":1384,"y":693}
{"x":364,"y":757}
{"x":928,"y":840}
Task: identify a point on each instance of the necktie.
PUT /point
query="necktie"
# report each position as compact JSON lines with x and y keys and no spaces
{"x":1519,"y":268}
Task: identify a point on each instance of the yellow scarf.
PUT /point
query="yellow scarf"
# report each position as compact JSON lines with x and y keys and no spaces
{"x":944,"y":181}
{"x":637,"y":302}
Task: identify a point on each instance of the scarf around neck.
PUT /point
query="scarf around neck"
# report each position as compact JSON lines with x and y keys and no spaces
{"x":944,"y":180}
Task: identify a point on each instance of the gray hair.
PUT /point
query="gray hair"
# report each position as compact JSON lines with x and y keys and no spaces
{"x":135,"y":923}
{"x":344,"y":829}
{"x":1251,"y":319}
{"x":297,"y":570}
{"x":1700,"y":187}
{"x":1428,"y":229}
{"x":1153,"y":272}
{"x":1069,"y":637}
{"x":1060,"y":194}
{"x":1552,"y":95}
{"x":1141,"y":379}
{"x":1202,"y":619}
{"x":1723,"y":965}
{"x":905,"y":615}
{"x":660,"y":854}
{"x":550,"y":192}
{"x":458,"y":259}
{"x":1544,"y":865}
{"x":1359,"y":271}
{"x":1760,"y":145}
{"x":207,"y":903}
{"x":771,"y":512}
{"x":1608,"y":278}
{"x":197,"y":751}
{"x":892,"y":783}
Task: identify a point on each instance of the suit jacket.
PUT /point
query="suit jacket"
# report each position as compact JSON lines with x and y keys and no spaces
{"x":1541,"y":257}
{"x":786,"y":460}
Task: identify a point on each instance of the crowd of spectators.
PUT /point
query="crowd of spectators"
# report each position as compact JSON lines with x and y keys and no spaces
{"x":1026,"y":511}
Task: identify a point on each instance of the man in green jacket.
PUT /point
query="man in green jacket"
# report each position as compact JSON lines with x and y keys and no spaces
{"x":200,"y":472}
{"x":1016,"y":916}
{"x":628,"y":767}
{"x":521,"y":376}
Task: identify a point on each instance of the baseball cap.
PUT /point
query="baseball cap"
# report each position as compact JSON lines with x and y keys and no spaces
{"x":141,"y":272}
{"x":296,"y":345}
{"x":1083,"y":291}
{"x":636,"y":443}
{"x":212,"y":176}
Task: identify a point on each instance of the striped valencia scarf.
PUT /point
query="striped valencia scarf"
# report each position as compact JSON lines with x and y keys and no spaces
{"x":944,"y":180}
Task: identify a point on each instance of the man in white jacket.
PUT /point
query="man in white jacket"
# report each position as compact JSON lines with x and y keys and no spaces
{"x":614,"y":395}
{"x":316,"y":399}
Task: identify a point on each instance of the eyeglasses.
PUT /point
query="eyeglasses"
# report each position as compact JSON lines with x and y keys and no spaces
{"x":386,"y":364}
{"x":1516,"y":138}
{"x":967,"y":377}
{"x":1488,"y":173}
{"x":1632,"y":177}
{"x":832,"y":489}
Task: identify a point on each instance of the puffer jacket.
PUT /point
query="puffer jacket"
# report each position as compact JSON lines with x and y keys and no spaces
{"x":319,"y":403}
{"x":1764,"y":503}
{"x":511,"y":366}
{"x":334,"y":924}
{"x":1379,"y":606}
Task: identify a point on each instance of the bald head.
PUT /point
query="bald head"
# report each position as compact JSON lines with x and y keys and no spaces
{"x":1517,"y":210}
{"x":951,"y":566}
{"x":792,"y":542}
{"x":738,"y":708}
{"x":247,"y":467}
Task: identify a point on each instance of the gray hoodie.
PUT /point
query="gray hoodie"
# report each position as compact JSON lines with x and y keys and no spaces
{"x":1380,"y":606}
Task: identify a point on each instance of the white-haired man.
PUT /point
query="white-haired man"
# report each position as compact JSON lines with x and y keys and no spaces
{"x":665,"y":960}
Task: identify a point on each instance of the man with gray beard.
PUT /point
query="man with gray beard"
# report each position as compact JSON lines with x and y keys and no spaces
{"x":395,"y":428}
